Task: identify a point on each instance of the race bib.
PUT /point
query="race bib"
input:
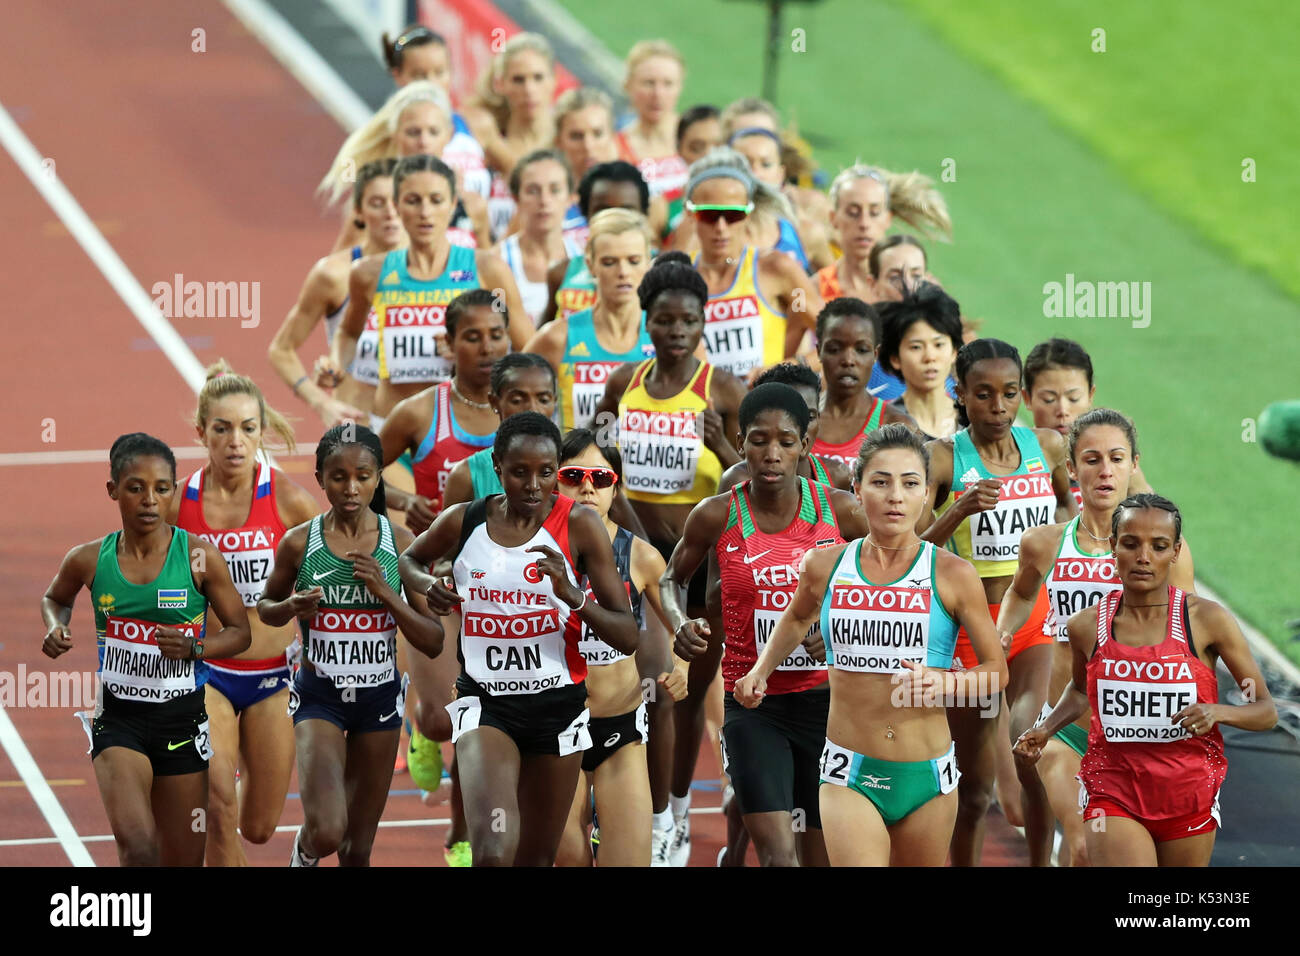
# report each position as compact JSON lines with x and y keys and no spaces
{"x":576,"y":736}
{"x":733,"y":334}
{"x":875,"y":629}
{"x":800,"y":660}
{"x":589,"y":379}
{"x":511,"y":649}
{"x":353,"y":648}
{"x":134,"y":668}
{"x":1142,"y":711}
{"x":465,"y":713}
{"x":203,"y":741}
{"x":660,"y":450}
{"x":1026,"y":501}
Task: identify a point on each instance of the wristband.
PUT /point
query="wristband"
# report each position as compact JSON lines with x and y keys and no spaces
{"x":298,"y":384}
{"x":583,"y":604}
{"x":196,"y":649}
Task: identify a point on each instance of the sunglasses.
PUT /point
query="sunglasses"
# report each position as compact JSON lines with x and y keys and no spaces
{"x":710,"y":214}
{"x":599,"y":477}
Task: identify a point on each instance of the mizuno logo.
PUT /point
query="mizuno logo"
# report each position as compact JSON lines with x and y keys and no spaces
{"x":917,"y":582}
{"x":877,"y":782}
{"x":751,"y":558}
{"x":179,"y":745}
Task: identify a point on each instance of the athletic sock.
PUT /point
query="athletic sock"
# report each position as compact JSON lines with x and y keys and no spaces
{"x":680,"y":805}
{"x":663,"y":820}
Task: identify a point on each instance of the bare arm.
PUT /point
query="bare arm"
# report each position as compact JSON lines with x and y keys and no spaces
{"x":1218,"y":631}
{"x":279,"y":604}
{"x":703,"y":527}
{"x":214,"y":581}
{"x":460,"y":485}
{"x":362,"y":282}
{"x":549,"y":342}
{"x":75,"y":572}
{"x":1082,"y":629}
{"x":849,"y":516}
{"x":962,"y":593}
{"x":610,"y":615}
{"x":1053,"y":446}
{"x":554,"y":279}
{"x":1037,"y":549}
{"x":495,"y":274}
{"x":607,"y":409}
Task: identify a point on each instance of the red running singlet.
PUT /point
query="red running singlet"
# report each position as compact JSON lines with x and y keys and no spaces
{"x":1137,"y":756}
{"x":847,"y":452}
{"x":759,"y":573}
{"x":445,"y":445}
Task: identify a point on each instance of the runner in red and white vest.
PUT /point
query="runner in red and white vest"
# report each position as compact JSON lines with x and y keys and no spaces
{"x":242,"y":506}
{"x":754,"y":538}
{"x":521,"y":692}
{"x":1144,"y":660}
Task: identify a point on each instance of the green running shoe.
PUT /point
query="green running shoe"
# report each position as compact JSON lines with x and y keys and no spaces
{"x":458,"y":854}
{"x":424,"y":760}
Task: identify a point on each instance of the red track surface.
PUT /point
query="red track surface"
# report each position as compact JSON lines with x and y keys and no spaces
{"x":202,"y":164}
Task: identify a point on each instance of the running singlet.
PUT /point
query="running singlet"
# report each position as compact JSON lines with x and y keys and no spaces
{"x":352,"y":637}
{"x":664,"y":458}
{"x":365,"y":364}
{"x":990,"y":540}
{"x":127,"y":617}
{"x":788,"y":241}
{"x":332,"y":319}
{"x":741,"y":331}
{"x":665,"y":175}
{"x":444,"y":446}
{"x":1078,"y":579}
{"x":465,"y":156}
{"x":501,"y":205}
{"x":1137,"y":755}
{"x":482,"y":475}
{"x":846,"y":453}
{"x":595,"y":651}
{"x":759,"y":573}
{"x":575,"y":228}
{"x":872,"y":628}
{"x":587,"y":365}
{"x":532,"y":293}
{"x":577,"y":290}
{"x":249,"y":549}
{"x":516,"y":636}
{"x":411,"y":316}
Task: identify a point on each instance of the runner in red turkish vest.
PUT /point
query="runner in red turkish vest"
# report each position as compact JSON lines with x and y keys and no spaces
{"x":520,"y":720}
{"x":1075,"y":561}
{"x":442,"y":426}
{"x":889,"y":606}
{"x":1144,"y":661}
{"x":338,"y":574}
{"x":241,"y":505}
{"x":615,"y":769}
{"x":808,"y":384}
{"x":990,"y":483}
{"x":754,"y":538}
{"x":151,"y":585}
{"x":847,"y":334}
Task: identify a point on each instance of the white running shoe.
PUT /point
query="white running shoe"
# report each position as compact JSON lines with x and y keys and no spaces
{"x":661,"y":842}
{"x":299,"y":858}
{"x":680,"y":854}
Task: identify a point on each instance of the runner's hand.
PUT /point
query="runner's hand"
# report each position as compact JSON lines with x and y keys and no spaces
{"x":1006,"y":637}
{"x":326,"y":373}
{"x":58,"y":640}
{"x":334,"y":412}
{"x":304,"y":603}
{"x":815,"y":646}
{"x":368,"y":571}
{"x":1030,"y":746}
{"x":981,"y":496}
{"x":674,"y":682}
{"x":419,"y":514}
{"x":442,"y":596}
{"x":690,"y":640}
{"x":553,"y":565}
{"x":1198,"y":719}
{"x":750,"y":690}
{"x":918,"y":681}
{"x":710,"y":424}
{"x":173,"y":644}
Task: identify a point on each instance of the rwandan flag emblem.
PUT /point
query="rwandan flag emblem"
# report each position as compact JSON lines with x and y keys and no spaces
{"x":173,"y":599}
{"x":1034,"y":464}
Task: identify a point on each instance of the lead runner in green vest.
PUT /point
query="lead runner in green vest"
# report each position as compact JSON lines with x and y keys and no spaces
{"x":151,"y":585}
{"x":338,"y":574}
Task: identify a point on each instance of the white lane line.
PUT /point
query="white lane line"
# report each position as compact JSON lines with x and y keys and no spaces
{"x":108,"y":262}
{"x":302,"y":61}
{"x":290,"y":828}
{"x":64,"y":832}
{"x":97,"y":456}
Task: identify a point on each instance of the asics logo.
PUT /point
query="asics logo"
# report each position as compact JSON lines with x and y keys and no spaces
{"x":613,"y":739}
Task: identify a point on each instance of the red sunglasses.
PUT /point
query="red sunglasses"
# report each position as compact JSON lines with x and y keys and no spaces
{"x":574,"y":476}
{"x":710,"y":214}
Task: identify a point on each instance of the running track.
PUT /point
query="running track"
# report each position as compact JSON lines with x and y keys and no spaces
{"x":202,"y":164}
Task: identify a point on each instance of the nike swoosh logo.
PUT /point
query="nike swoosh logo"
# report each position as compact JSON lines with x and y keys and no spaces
{"x":317,"y":577}
{"x":751,"y":558}
{"x":387,"y":717}
{"x":732,"y":547}
{"x":1198,"y":827}
{"x":179,"y":745}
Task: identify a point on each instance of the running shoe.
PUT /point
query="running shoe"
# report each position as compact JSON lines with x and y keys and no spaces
{"x":299,"y":858}
{"x":424,"y":760}
{"x":661,"y":843}
{"x":680,"y":854}
{"x":458,"y":854}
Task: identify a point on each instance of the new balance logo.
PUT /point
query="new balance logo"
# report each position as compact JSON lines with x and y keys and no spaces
{"x":269,"y":682}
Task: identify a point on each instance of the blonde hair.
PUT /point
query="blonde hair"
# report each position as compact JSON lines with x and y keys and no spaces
{"x":579,"y":99}
{"x":748,"y":104}
{"x":374,"y":139}
{"x":485,"y":94}
{"x":648,"y":50}
{"x":221,"y":383}
{"x":615,"y":221}
{"x":911,"y":197}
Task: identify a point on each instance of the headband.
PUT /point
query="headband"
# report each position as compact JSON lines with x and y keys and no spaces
{"x":753,"y":131}
{"x":719,"y":172}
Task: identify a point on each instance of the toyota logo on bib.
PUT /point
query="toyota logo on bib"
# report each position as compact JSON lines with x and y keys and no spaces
{"x":532,"y":574}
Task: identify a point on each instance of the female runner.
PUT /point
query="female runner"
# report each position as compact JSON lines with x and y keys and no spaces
{"x":541,"y":185}
{"x":754,"y":538}
{"x":805,"y":239}
{"x":589,"y":346}
{"x":674,"y":413}
{"x":921,"y":336}
{"x":149,"y":740}
{"x":615,"y":767}
{"x":324,"y":295}
{"x":989,"y":483}
{"x":243,"y":506}
{"x":655,"y":71}
{"x":1144,"y":661}
{"x":520,"y":721}
{"x":846,"y":346}
{"x":1078,"y":567}
{"x":889,"y":646}
{"x":338,"y":574}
